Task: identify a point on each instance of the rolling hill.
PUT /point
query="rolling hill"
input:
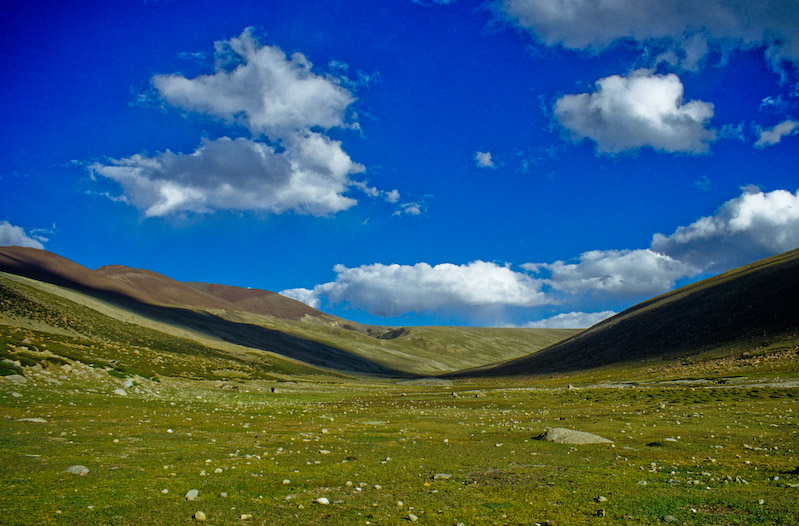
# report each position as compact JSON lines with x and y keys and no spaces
{"x":263,"y":321}
{"x":748,"y":308}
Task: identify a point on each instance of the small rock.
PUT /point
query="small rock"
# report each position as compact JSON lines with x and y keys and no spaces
{"x":245,"y":516}
{"x":77,"y":469}
{"x":442,"y":476}
{"x":412,"y":517}
{"x":400,"y":504}
{"x":218,"y":470}
{"x":16,"y":379}
{"x":223,"y":494}
{"x":286,"y":482}
{"x":16,"y":395}
{"x":192,"y":494}
{"x":120,"y":392}
{"x":199,"y":516}
{"x":669,"y":518}
{"x":38,"y":420}
{"x":164,"y":491}
{"x":601,"y":498}
{"x":322,"y":500}
{"x":128,"y":383}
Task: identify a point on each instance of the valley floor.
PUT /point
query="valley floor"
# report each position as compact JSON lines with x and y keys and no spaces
{"x":683,"y":453}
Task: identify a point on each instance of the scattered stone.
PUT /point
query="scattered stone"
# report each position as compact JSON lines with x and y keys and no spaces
{"x":37,"y":420}
{"x":322,"y":500}
{"x":412,"y":517}
{"x":164,"y":491}
{"x":562,"y":435}
{"x":286,"y":482}
{"x":601,"y":499}
{"x":400,"y":504}
{"x":245,"y":516}
{"x":218,"y":470}
{"x":324,"y":452}
{"x":442,"y":476}
{"x":16,"y":395}
{"x":199,"y":516}
{"x":128,"y":383}
{"x":223,"y":494}
{"x":16,"y":379}
{"x":192,"y":494}
{"x":77,"y":469}
{"x":120,"y":392}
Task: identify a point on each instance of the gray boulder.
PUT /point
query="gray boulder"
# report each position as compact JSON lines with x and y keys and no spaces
{"x":562,"y":435}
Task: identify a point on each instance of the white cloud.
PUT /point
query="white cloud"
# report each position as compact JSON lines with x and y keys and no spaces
{"x":484,"y":160}
{"x":307,"y":296}
{"x":618,"y":273}
{"x":309,"y":177}
{"x":641,"y":109}
{"x":774,"y":135}
{"x":390,"y":290}
{"x":687,"y":25}
{"x":260,"y":88}
{"x":571,"y":320}
{"x":11,"y":235}
{"x":411,"y":209}
{"x":752,"y":226}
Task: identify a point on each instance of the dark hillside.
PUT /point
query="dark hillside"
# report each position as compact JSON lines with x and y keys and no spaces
{"x":743,"y":308}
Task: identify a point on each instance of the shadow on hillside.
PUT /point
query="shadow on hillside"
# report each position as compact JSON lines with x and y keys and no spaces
{"x":254,"y":336}
{"x":737,"y":311}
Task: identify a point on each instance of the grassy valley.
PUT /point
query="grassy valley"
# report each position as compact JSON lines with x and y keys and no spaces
{"x":155,"y":400}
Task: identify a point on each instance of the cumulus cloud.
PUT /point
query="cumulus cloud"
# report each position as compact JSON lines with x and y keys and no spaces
{"x":618,"y":273}
{"x":309,"y":177}
{"x":11,"y":235}
{"x":484,"y":160}
{"x":390,"y":290}
{"x":774,"y":135}
{"x":571,"y":320}
{"x":307,"y":296}
{"x":752,"y":226}
{"x":688,"y":26}
{"x":641,"y":109}
{"x":260,"y":88}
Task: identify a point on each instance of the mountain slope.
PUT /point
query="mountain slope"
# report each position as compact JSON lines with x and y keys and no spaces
{"x":265,"y":321}
{"x":751,"y":306}
{"x":167,"y":291}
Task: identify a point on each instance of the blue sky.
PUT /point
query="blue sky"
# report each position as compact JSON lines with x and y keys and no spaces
{"x":519,"y":162}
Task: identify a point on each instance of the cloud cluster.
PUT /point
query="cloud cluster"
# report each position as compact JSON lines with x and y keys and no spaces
{"x":687,"y":26}
{"x":390,"y":290}
{"x":266,"y":91}
{"x":571,"y":320}
{"x":641,"y":109}
{"x":309,"y":177}
{"x":298,"y":168}
{"x":750,"y":227}
{"x":770,"y":137}
{"x":12,"y":235}
{"x":618,"y":273}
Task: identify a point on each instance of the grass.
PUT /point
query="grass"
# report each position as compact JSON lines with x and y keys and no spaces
{"x":396,"y":436}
